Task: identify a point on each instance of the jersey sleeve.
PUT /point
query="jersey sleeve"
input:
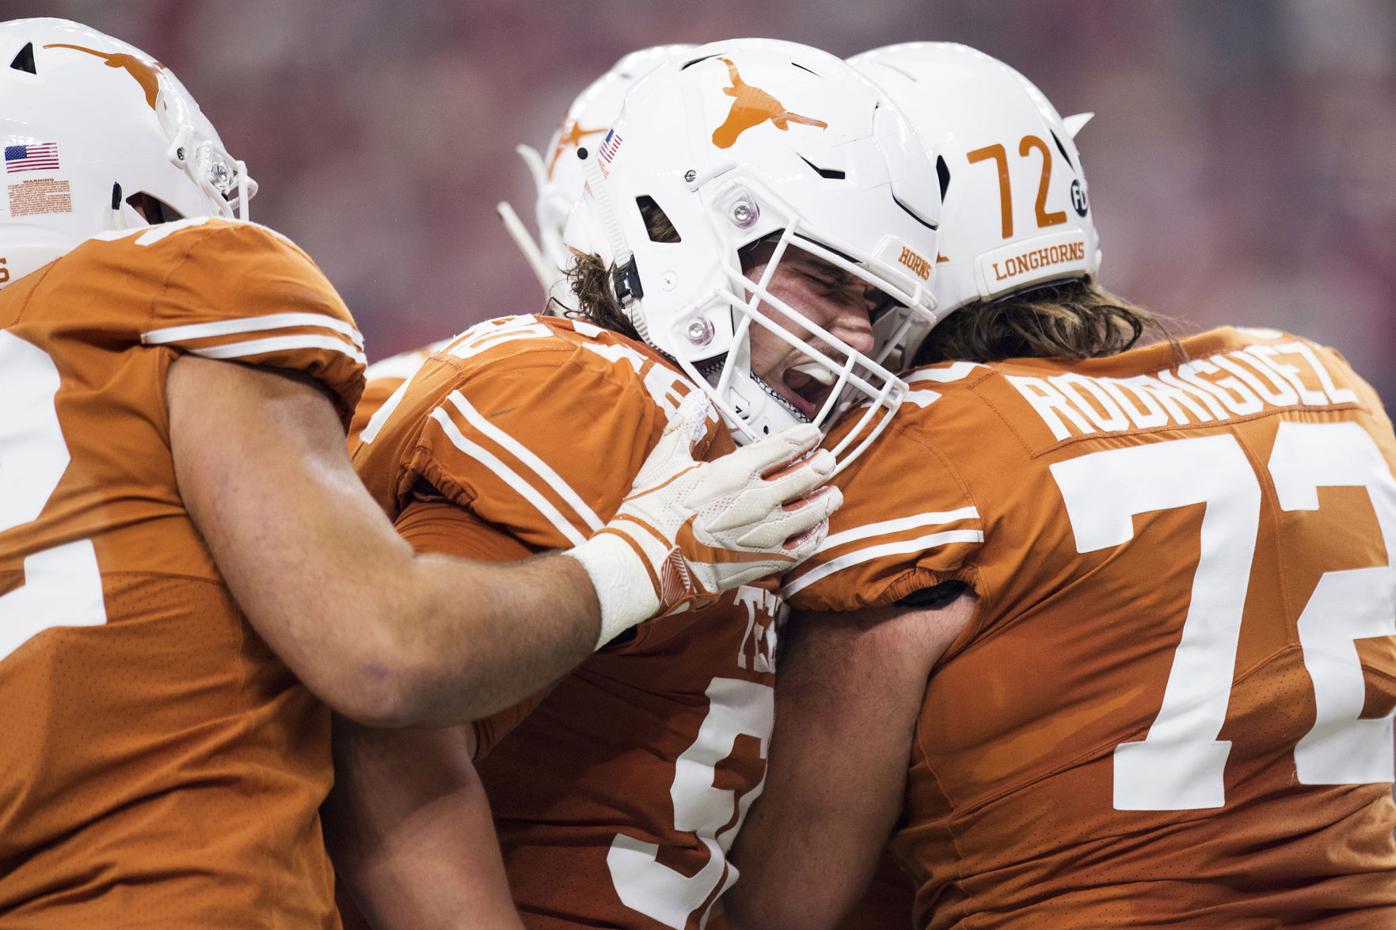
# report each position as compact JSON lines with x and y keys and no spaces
{"x":242,"y":292}
{"x":907,"y":523}
{"x":384,"y":377}
{"x":377,"y":392}
{"x":444,"y":528}
{"x":544,"y":448}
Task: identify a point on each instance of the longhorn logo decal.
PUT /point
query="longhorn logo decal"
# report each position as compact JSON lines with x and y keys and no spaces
{"x":570,"y":136}
{"x":145,"y":73}
{"x":752,"y":107}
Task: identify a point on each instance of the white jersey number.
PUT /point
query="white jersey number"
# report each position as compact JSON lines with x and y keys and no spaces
{"x":1180,"y":764}
{"x":62,"y":585}
{"x":712,"y":814}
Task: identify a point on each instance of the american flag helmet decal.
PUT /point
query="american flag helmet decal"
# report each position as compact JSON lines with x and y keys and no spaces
{"x":42,"y":156}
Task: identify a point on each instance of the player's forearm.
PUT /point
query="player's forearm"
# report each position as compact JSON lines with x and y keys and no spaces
{"x":478,"y":637}
{"x":391,"y":638}
{"x":809,"y":847}
{"x":846,"y":702}
{"x":408,"y":826}
{"x":431,"y":640}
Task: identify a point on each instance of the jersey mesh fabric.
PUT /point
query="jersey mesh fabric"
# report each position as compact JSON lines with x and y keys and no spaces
{"x":1018,"y":812}
{"x":161,"y":767}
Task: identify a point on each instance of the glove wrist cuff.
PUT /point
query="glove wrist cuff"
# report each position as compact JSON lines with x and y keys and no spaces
{"x":622,"y":582}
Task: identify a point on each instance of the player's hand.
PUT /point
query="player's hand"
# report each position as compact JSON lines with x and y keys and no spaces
{"x":690,"y":530}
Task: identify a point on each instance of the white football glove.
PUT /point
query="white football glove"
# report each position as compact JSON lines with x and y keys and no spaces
{"x":690,"y":530}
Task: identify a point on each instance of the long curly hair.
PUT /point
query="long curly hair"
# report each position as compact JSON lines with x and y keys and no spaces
{"x":1067,"y":319}
{"x":589,"y":279}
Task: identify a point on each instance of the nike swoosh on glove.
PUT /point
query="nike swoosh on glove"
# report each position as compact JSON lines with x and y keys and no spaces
{"x":690,"y":530}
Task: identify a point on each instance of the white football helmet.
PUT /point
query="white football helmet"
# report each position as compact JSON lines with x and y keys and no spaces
{"x":1015,"y":212}
{"x":739,"y":141}
{"x":93,"y":128}
{"x":558,"y":176}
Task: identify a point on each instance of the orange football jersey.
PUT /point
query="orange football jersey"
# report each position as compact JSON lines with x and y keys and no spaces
{"x":384,"y":377}
{"x":617,"y":792}
{"x":160,"y":766}
{"x":1173,"y":705}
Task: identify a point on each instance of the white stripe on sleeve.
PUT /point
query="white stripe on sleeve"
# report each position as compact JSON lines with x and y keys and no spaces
{"x":278,"y":344}
{"x":252,"y":324}
{"x":380,"y":416}
{"x":873,"y":552}
{"x":521,"y":452}
{"x":888,"y":527}
{"x":527,"y":491}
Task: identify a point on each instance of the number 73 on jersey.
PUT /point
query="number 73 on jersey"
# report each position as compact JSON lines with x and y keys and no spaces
{"x":1180,"y":764}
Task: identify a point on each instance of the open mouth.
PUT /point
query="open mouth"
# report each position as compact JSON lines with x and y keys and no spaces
{"x":806,"y":387}
{"x":802,"y":389}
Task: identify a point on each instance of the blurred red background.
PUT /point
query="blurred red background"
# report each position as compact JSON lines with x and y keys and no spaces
{"x":1242,"y":161}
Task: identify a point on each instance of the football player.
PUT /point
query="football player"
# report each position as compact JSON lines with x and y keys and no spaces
{"x":752,"y":209}
{"x":1104,"y":636}
{"x":187,"y":559}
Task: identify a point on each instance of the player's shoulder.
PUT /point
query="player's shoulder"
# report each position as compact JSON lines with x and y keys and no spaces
{"x":538,"y":341}
{"x":536,"y":424}
{"x":214,"y":287}
{"x":233,"y":289}
{"x":204,"y":270}
{"x":203,"y":239}
{"x":398,"y":368}
{"x":544,"y":366}
{"x":217,"y":288}
{"x":143,"y":261}
{"x":947,"y":405}
{"x":1205,"y":380}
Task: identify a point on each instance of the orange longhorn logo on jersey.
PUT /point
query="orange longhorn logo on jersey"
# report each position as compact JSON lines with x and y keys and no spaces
{"x":752,"y":107}
{"x":570,"y":136}
{"x":145,"y":73}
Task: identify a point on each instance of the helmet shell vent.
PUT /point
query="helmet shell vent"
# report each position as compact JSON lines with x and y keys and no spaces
{"x":24,"y":59}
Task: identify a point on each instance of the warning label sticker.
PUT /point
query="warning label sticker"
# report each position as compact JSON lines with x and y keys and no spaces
{"x":40,"y":196}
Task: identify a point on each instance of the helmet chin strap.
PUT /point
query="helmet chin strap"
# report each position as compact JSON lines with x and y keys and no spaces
{"x":626,"y":277}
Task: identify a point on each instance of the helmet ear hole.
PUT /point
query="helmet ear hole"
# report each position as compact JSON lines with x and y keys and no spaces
{"x":943,"y":174}
{"x":24,"y":60}
{"x":153,"y":209}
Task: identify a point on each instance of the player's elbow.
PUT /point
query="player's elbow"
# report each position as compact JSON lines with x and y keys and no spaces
{"x":381,"y":694}
{"x":379,"y":683}
{"x":402,"y":681}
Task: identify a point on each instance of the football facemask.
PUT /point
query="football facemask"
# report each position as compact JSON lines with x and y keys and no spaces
{"x":107,"y":137}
